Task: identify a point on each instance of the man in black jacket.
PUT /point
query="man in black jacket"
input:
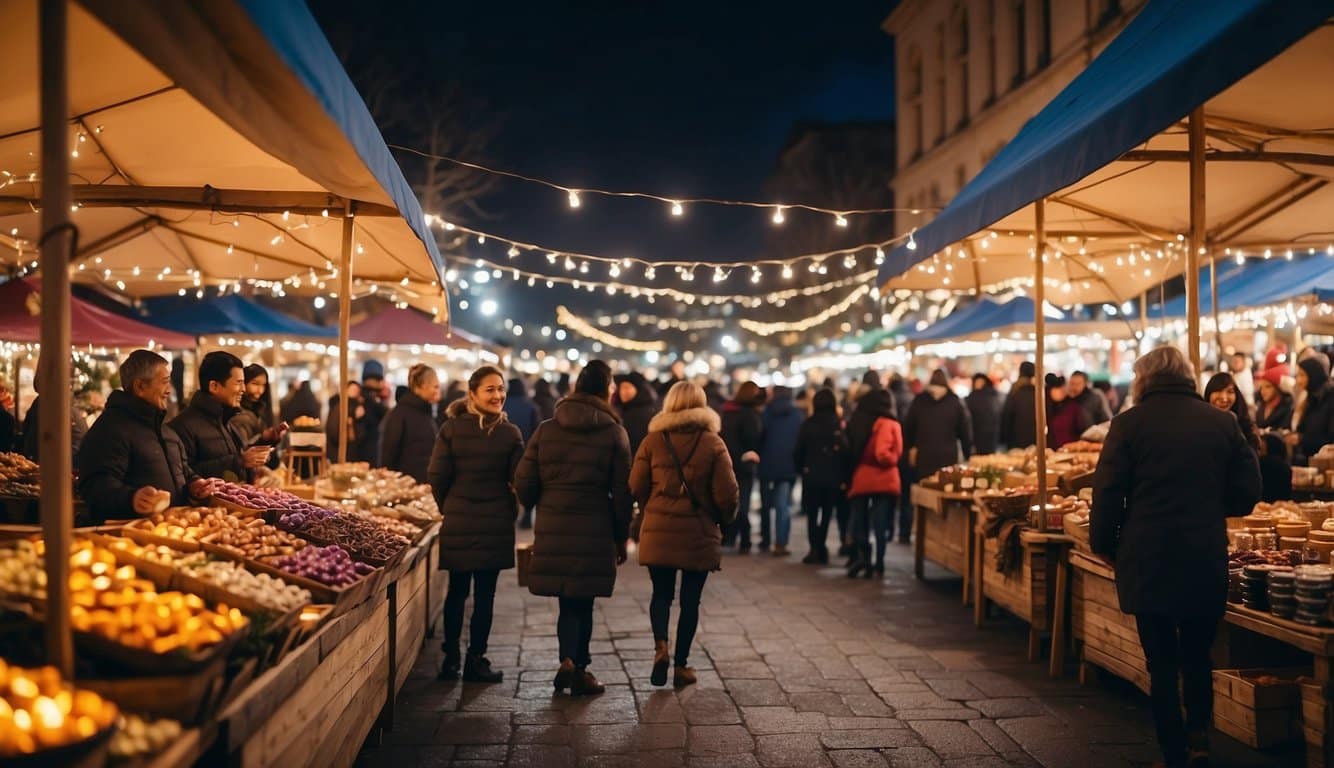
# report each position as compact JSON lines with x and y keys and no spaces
{"x":1018,"y":425}
{"x":212,"y":447}
{"x":131,"y":461}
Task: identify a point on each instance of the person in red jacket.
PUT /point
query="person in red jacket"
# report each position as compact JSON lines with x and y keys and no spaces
{"x":1066,"y":418}
{"x":875,"y":488}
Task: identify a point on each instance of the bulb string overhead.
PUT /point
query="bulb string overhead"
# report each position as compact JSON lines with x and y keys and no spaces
{"x":676,"y":205}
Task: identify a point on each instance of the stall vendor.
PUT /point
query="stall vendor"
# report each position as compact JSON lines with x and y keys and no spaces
{"x":132,"y":463}
{"x":212,"y":444}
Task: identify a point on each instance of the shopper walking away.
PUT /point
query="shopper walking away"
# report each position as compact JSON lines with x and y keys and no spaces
{"x":823,"y":461}
{"x":938,"y":431}
{"x":636,"y":403}
{"x":1172,"y":469}
{"x":743,"y":432}
{"x":1066,"y":419}
{"x":576,"y":472}
{"x":471,"y":473}
{"x":543,"y":399}
{"x":408,"y":434}
{"x":984,"y":409}
{"x":782,"y":422}
{"x":133,"y":461}
{"x":521,"y":411}
{"x":1018,"y":428}
{"x":682,"y":479}
{"x":877,"y":443}
{"x":1273,"y":406}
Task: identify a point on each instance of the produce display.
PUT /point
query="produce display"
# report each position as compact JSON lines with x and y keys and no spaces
{"x":396,"y":526}
{"x":155,"y":553}
{"x":359,"y":536}
{"x":39,"y":711}
{"x":22,"y":571}
{"x":306,"y":424}
{"x":331,"y":566}
{"x":137,"y":737}
{"x":1082,"y":446}
{"x":421,"y":512}
{"x":1273,"y":557}
{"x":266,"y":590}
{"x":18,"y":476}
{"x":245,"y":537}
{"x":267,"y":499}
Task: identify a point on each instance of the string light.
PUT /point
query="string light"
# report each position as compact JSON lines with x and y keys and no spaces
{"x":912,"y":243}
{"x":778,"y":217}
{"x":574,"y":198}
{"x":805,"y":324}
{"x":678,"y":209}
{"x":840,"y":221}
{"x":580,"y":326}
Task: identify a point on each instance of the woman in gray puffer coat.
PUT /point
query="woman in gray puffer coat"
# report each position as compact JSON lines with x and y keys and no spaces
{"x":576,"y":472}
{"x":472,"y":466}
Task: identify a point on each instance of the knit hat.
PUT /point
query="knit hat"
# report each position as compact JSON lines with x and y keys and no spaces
{"x":594,"y":379}
{"x":1027,"y":369}
{"x":373,"y":369}
{"x":1275,"y":375}
{"x":1277,"y":357}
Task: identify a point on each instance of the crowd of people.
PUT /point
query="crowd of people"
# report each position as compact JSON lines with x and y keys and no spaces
{"x":608,"y":459}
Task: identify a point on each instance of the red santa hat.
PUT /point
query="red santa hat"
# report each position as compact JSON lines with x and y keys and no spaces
{"x":1277,"y":357}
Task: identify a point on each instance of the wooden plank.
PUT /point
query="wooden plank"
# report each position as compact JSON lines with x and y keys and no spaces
{"x":1315,"y":640}
{"x":303,"y":721}
{"x":1139,"y":678}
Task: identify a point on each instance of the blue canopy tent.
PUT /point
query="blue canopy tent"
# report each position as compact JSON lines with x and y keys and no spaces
{"x":1109,"y":157}
{"x":988,"y":318}
{"x":231,"y":314}
{"x":1259,"y":283}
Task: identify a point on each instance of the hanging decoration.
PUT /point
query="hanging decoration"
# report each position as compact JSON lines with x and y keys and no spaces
{"x":805,"y":324}
{"x":582,"y":327}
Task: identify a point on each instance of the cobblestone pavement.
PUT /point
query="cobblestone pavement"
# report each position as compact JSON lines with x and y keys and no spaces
{"x":798,"y":666}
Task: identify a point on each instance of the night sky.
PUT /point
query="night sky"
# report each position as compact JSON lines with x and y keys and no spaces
{"x":684,"y":98}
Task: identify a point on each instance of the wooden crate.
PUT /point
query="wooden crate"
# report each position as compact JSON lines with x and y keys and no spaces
{"x":1110,"y":639}
{"x":1241,"y":686}
{"x":945,"y":534}
{"x":409,"y":621}
{"x":1257,"y":728}
{"x":1025,"y":590}
{"x":1314,"y":705}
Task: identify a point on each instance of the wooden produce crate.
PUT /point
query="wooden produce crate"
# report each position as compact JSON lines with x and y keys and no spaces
{"x":409,"y":620}
{"x":944,"y":529}
{"x":1314,"y":704}
{"x":1259,"y":716}
{"x":1025,"y":590}
{"x":1109,"y":638}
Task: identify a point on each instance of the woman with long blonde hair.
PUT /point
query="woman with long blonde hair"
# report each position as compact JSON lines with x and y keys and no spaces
{"x":682,"y":478}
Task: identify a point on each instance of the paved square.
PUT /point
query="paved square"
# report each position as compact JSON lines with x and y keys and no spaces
{"x":798,"y":666}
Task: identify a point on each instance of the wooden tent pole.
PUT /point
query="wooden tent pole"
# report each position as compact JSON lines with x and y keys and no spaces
{"x":344,"y":326}
{"x":1039,"y":364}
{"x":57,"y":495}
{"x":1196,"y":141}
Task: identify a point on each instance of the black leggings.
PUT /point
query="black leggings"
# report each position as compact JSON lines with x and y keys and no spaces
{"x":574,"y":630}
{"x":483,"y":605}
{"x":660,"y":607}
{"x":820,"y":503}
{"x":1177,"y":654}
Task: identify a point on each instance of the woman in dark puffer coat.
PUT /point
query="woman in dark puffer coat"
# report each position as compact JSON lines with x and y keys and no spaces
{"x":472,"y":466}
{"x":576,"y":471}
{"x":676,"y":535}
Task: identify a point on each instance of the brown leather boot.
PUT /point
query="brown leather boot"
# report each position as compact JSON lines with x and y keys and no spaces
{"x":564,"y":676}
{"x":661,"y":660}
{"x":684,"y":676}
{"x":585,"y":684}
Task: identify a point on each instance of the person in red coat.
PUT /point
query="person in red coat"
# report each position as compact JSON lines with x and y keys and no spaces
{"x":1066,"y":418}
{"x":875,"y":487}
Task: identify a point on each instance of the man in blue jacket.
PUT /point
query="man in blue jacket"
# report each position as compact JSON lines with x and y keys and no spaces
{"x":778,"y":471}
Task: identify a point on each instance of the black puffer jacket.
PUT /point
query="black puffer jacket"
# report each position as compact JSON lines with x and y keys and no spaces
{"x":212,"y":447}
{"x":938,"y":428}
{"x":407,"y":437}
{"x":78,"y":427}
{"x":823,"y":457}
{"x":637,"y":413}
{"x":984,"y":409}
{"x":1019,"y":425}
{"x":471,"y":472}
{"x":576,"y":471}
{"x":1317,"y":421}
{"x":127,"y":448}
{"x":743,"y":431}
{"x":1172,"y":469}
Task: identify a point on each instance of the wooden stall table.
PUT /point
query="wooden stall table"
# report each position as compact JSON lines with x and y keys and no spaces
{"x":1031,"y":590}
{"x":943,"y":533}
{"x":1108,"y":638}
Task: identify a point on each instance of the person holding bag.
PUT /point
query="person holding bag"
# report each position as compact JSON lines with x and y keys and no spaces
{"x":472,"y":467}
{"x":683,"y":480}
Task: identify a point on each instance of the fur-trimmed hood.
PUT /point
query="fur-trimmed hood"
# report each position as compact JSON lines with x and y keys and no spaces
{"x":691,"y":419}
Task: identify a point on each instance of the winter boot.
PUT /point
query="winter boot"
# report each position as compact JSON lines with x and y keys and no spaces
{"x":585,"y":684}
{"x":661,"y":660}
{"x":449,"y":670}
{"x":564,"y":676}
{"x":477,"y":669}
{"x":684,"y":676}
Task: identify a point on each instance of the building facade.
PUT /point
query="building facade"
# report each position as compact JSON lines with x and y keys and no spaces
{"x":970,"y":73}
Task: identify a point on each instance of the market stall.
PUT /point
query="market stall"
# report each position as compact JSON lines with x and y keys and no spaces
{"x":943,"y":522}
{"x":398,"y":334}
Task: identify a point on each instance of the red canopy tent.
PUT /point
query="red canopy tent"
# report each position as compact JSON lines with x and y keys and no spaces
{"x":409,"y":326}
{"x":21,"y":322}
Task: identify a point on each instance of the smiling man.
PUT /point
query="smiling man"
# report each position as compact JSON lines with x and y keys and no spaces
{"x":132,"y":463}
{"x":212,"y":447}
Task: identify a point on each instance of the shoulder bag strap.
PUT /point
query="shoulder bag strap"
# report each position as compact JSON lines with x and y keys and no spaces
{"x":680,"y":472}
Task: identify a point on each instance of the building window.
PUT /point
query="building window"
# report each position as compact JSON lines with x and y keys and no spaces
{"x":1044,"y":33}
{"x":942,"y":96}
{"x":961,"y":46}
{"x":991,"y":50}
{"x":1020,"y":18}
{"x":917,"y":129}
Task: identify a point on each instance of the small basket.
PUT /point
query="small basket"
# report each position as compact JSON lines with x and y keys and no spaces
{"x":1009,"y":505}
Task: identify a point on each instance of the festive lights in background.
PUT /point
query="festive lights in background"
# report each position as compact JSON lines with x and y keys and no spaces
{"x":804,"y":324}
{"x":582,"y":327}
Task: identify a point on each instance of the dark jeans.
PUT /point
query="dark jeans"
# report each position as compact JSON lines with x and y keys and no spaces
{"x":574,"y":630}
{"x":660,"y":607}
{"x":842,"y":515}
{"x":483,"y":585}
{"x":740,"y":530}
{"x":907,"y":476}
{"x":820,"y":502}
{"x":872,"y":513}
{"x":1177,"y":653}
